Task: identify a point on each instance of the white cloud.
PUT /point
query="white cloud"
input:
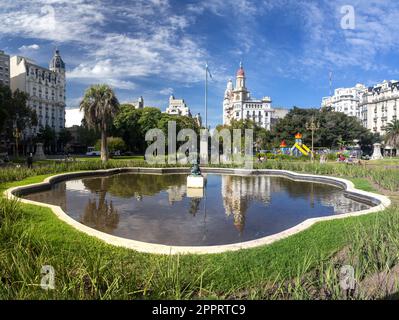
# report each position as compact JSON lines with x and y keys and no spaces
{"x":73,"y":117}
{"x":151,"y":47}
{"x":166,"y":91}
{"x":55,"y":20}
{"x":29,"y":47}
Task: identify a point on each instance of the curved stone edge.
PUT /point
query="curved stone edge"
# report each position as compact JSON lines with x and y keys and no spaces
{"x":380,"y":201}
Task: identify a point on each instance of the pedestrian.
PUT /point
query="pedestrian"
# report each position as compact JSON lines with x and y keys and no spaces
{"x":30,"y":161}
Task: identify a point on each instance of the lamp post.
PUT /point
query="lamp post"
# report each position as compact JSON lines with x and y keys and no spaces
{"x":312,"y":126}
{"x":17,"y":135}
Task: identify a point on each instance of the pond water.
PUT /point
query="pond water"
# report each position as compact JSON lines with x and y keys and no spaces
{"x":159,"y":208}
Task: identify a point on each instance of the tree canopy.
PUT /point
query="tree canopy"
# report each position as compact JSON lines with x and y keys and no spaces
{"x":132,"y":124}
{"x":335,"y":128}
{"x":100,"y":106}
{"x":392,"y":134}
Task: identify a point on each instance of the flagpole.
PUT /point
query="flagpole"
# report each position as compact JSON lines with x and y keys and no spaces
{"x":206,"y":96}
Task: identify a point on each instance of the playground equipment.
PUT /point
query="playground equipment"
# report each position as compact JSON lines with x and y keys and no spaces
{"x":299,"y":146}
{"x":283,"y":148}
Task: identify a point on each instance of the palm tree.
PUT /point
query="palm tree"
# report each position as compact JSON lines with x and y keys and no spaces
{"x":100,"y":106}
{"x":392,"y":134}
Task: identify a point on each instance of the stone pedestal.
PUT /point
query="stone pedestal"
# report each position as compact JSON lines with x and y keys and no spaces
{"x":195,"y":181}
{"x":39,"y":155}
{"x":195,"y":192}
{"x":377,"y":152}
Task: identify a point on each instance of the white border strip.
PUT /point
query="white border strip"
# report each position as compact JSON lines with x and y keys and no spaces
{"x":140,"y":246}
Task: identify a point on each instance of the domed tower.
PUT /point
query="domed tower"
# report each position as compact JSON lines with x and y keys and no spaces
{"x":57,"y":85}
{"x":240,"y":92}
{"x":240,"y":78}
{"x":57,"y":64}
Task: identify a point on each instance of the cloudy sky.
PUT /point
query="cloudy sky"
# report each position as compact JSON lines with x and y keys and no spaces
{"x":157,"y":47}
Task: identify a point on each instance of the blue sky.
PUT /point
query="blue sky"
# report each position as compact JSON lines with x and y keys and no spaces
{"x":157,"y":47}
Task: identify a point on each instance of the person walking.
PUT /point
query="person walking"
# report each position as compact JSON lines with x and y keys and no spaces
{"x":30,"y":161}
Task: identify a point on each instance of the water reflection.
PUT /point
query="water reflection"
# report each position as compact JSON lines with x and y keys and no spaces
{"x":160,"y":209}
{"x":100,"y":215}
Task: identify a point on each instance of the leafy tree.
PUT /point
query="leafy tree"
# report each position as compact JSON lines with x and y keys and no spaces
{"x":86,"y":135}
{"x":392,"y":134}
{"x":132,"y":124}
{"x":48,"y":137}
{"x":100,"y":106}
{"x":15,"y":114}
{"x":335,"y":128}
{"x":64,"y":137}
{"x":128,"y":127}
{"x":5,"y":102}
{"x":149,"y":119}
{"x":114,"y":144}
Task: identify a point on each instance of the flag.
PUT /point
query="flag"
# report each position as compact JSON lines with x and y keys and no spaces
{"x":207,"y":70}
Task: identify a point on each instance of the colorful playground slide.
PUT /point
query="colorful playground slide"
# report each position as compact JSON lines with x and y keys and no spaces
{"x":303,"y":149}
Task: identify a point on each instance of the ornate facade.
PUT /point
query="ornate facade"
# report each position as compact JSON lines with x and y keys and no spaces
{"x":375,"y":106}
{"x":379,"y":105}
{"x":45,"y":88}
{"x":178,"y":107}
{"x":139,"y":104}
{"x":238,"y":105}
{"x":345,"y":100}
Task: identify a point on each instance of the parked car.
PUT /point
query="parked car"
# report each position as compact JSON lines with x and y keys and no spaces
{"x":92,"y":152}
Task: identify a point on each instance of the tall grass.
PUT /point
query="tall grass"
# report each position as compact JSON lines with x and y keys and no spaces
{"x":9,"y":174}
{"x":385,"y":178}
{"x":89,"y":269}
{"x":373,"y":252}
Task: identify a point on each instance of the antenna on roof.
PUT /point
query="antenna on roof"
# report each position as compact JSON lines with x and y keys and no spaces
{"x":331,"y":75}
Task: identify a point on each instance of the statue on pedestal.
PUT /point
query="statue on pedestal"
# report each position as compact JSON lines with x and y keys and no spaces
{"x":377,"y":152}
{"x":39,"y":155}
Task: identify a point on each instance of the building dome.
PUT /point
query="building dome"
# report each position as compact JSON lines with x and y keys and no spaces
{"x":56,"y":62}
{"x":240,"y":71}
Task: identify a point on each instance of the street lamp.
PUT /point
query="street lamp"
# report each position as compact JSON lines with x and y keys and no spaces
{"x":312,"y":126}
{"x":17,"y":135}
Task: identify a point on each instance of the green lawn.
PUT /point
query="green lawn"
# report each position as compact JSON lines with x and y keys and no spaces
{"x":87,"y":158}
{"x":386,"y":161}
{"x":87,"y":268}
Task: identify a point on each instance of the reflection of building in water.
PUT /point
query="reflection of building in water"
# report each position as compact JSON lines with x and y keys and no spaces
{"x":176,"y":193}
{"x":238,"y":192}
{"x":341,"y":204}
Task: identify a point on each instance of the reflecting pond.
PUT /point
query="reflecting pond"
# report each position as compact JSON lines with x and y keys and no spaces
{"x":159,"y":208}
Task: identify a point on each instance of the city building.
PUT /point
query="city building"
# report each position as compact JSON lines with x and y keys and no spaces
{"x":198,"y":119}
{"x":238,"y":105}
{"x":4,"y":69}
{"x":379,"y":105}
{"x":139,"y":104}
{"x":374,"y":106}
{"x":345,"y":100}
{"x":45,"y":88}
{"x":178,"y":107}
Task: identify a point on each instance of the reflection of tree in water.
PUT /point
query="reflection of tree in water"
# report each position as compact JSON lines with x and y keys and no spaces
{"x":103,"y":217}
{"x":194,"y":205}
{"x":134,"y":185}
